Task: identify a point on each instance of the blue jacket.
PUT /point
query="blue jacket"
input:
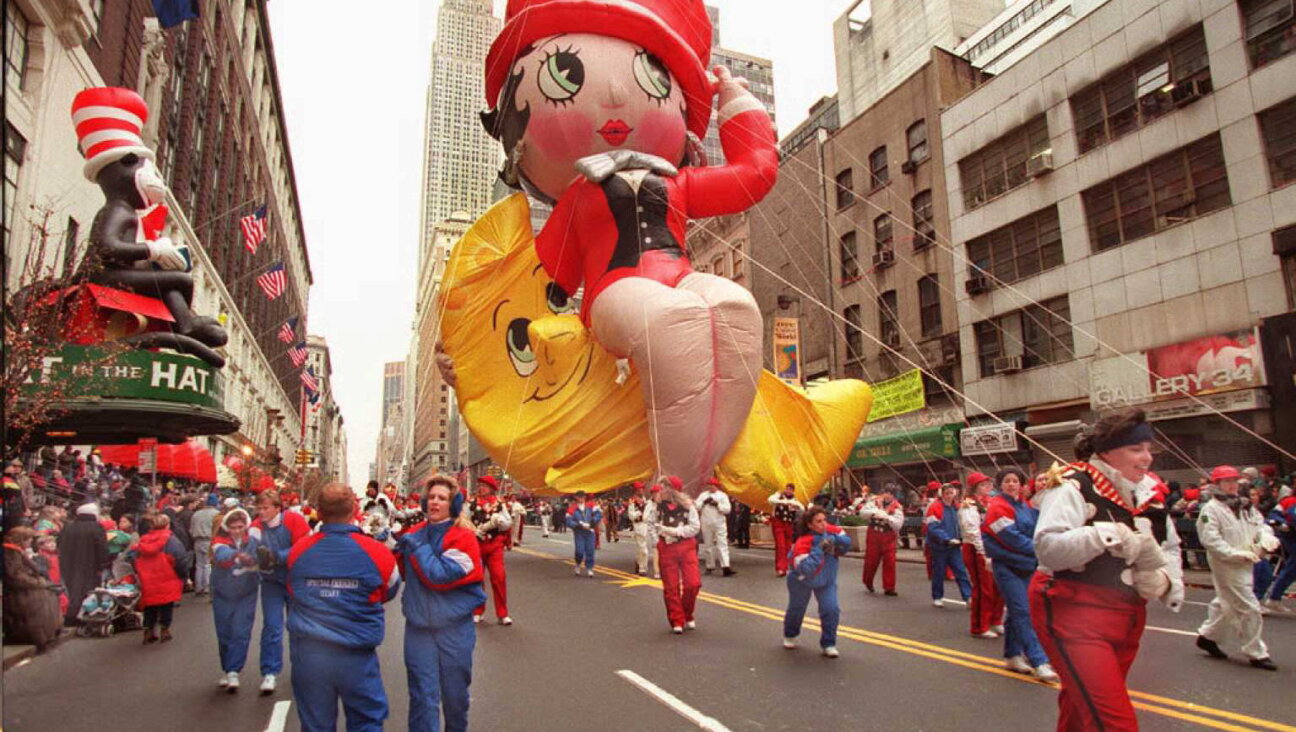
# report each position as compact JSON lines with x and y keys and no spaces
{"x":290,"y":528}
{"x":443,"y":568}
{"x":1283,"y":522}
{"x":229,"y":579}
{"x":811,"y":564}
{"x":1008,"y":533}
{"x":942,"y":525}
{"x":590,"y":514}
{"x":338,"y":580}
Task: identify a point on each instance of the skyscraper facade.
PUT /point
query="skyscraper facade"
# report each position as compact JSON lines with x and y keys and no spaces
{"x":759,"y":73}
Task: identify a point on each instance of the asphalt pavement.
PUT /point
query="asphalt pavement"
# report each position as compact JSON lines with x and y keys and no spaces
{"x":597,"y":654}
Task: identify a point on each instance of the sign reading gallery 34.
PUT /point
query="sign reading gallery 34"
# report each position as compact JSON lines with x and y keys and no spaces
{"x":86,"y":372}
{"x":1189,"y":370}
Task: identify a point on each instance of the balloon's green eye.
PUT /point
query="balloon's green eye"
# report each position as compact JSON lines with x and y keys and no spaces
{"x":559,"y":302}
{"x":561,"y":76}
{"x":651,"y":75}
{"x":519,"y":347}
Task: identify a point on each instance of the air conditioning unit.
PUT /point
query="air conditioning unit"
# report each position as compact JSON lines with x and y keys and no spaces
{"x":1008,"y":364}
{"x":909,"y":167}
{"x":1041,"y":164}
{"x":977,"y":284}
{"x":883,"y":259}
{"x":1187,"y":92}
{"x":950,"y":347}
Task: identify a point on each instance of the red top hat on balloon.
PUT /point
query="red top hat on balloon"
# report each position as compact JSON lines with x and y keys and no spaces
{"x":108,"y":122}
{"x":676,"y":31}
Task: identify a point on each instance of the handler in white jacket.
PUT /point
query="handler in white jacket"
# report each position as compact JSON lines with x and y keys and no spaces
{"x":1235,"y":537}
{"x":637,"y":511}
{"x":713,"y":507}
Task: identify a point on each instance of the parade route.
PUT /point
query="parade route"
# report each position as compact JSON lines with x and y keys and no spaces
{"x":905,"y":665}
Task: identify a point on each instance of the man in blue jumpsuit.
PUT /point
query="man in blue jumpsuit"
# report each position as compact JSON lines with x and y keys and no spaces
{"x":583,"y":518}
{"x":338,"y":580}
{"x":945,"y":540}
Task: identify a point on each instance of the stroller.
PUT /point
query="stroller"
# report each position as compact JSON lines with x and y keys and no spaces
{"x":110,"y":608}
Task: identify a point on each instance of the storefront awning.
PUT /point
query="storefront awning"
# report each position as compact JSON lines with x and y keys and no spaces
{"x":931,"y":443}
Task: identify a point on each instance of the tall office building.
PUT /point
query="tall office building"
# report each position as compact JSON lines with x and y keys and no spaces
{"x":460,"y":160}
{"x":759,"y":73}
{"x":389,"y":463}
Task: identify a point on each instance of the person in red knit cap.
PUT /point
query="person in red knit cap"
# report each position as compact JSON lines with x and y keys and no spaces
{"x":600,"y":107}
{"x":492,"y":519}
{"x":986,"y":606}
{"x":676,"y":524}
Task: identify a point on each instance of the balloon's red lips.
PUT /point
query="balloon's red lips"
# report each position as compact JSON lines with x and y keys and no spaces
{"x":615,"y":132}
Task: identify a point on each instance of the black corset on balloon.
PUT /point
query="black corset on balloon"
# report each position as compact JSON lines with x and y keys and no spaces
{"x":640,"y":218}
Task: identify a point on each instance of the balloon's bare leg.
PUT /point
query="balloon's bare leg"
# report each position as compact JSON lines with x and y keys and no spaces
{"x":697,"y":349}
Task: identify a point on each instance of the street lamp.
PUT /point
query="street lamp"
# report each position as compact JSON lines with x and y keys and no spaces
{"x":247,"y":451}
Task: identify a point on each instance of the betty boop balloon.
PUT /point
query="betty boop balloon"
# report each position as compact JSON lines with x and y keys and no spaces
{"x":599,"y":105}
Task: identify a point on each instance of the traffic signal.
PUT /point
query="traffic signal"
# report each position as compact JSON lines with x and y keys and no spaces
{"x":303,"y":457}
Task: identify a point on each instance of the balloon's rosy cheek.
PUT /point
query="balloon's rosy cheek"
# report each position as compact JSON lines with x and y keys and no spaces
{"x":661,"y":132}
{"x":562,"y":136}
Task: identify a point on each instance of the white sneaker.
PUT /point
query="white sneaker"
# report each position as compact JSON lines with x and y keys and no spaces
{"x":268,"y":684}
{"x":1018,"y":665}
{"x":506,"y":620}
{"x":578,"y":569}
{"x":938,"y":603}
{"x":231,"y":682}
{"x":789,"y":643}
{"x":831,"y":652}
{"x":477,"y":619}
{"x":1264,"y":609}
{"x":677,"y":630}
{"x":590,"y":572}
{"x":997,"y":629}
{"x":1045,"y":672}
{"x":690,"y":625}
{"x":224,"y":680}
{"x":989,"y":634}
{"x":656,"y":575}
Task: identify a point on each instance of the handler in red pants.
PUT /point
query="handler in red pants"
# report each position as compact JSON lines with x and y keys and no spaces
{"x":886,"y":517}
{"x":492,"y":519}
{"x":786,"y":510}
{"x":986,"y":606}
{"x":1105,"y":546}
{"x":676,"y":524}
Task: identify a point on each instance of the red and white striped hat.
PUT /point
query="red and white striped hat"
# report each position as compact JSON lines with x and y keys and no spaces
{"x":108,"y":121}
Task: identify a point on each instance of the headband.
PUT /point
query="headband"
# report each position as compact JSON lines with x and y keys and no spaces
{"x":1141,"y":432}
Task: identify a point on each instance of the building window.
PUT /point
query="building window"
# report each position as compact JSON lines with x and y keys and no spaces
{"x":917,"y":138}
{"x":737,"y":270}
{"x":17,"y":30}
{"x":850,"y":267}
{"x":1039,"y":335}
{"x":845,"y":189}
{"x":1279,"y":127}
{"x":1270,"y":29}
{"x":1019,"y":250}
{"x":15,"y":146}
{"x":1002,"y":165}
{"x":878,"y":172}
{"x":882,"y":233}
{"x":924,"y":228}
{"x":854,"y":333}
{"x":1174,"y":188}
{"x":929,"y":310}
{"x":717,"y":266}
{"x":1142,"y":91}
{"x":889,"y":319}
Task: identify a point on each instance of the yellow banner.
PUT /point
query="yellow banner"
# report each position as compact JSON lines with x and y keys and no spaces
{"x":787,"y":350}
{"x":899,"y":395}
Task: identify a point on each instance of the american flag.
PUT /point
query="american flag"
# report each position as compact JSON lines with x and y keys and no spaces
{"x":314,"y":398}
{"x":297,"y":354}
{"x":274,"y":281}
{"x":308,"y":379}
{"x":254,"y":229}
{"x":288,"y":330}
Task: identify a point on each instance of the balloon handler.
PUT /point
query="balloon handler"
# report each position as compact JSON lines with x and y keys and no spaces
{"x":128,"y":250}
{"x":814,"y":559}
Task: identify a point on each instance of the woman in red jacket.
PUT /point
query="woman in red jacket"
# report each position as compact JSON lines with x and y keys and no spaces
{"x":594,"y":103}
{"x":160,"y":564}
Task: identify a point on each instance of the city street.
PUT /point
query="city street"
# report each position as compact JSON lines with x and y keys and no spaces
{"x":905,"y":665}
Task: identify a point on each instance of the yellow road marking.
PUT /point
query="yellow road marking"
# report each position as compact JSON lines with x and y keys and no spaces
{"x":1191,"y":711}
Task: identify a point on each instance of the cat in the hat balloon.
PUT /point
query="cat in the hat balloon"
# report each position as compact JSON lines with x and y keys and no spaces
{"x":127,"y":248}
{"x":599,"y":105}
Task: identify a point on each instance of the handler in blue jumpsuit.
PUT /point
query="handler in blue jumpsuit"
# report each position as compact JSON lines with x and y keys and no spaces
{"x":276,"y":531}
{"x":945,"y":540}
{"x":339,"y":579}
{"x":583,"y":518}
{"x":234,"y":593}
{"x":441,"y":559}
{"x":813,"y":560}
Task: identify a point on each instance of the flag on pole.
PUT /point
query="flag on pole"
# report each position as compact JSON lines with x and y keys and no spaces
{"x":297,"y":354}
{"x":274,"y":281}
{"x":171,"y":13}
{"x":254,"y":229}
{"x":308,"y":379}
{"x":288,"y":330}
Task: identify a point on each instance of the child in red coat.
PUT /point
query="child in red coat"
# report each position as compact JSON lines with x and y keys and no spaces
{"x":161,"y":563}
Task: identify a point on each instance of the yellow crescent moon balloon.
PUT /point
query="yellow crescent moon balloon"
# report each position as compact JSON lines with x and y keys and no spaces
{"x":541,"y":395}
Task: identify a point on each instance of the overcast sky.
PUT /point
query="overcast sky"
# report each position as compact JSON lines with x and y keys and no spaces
{"x":353,"y":82}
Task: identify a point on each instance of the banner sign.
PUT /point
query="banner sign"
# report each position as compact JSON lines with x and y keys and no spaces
{"x":933,"y":443}
{"x":84,"y":371}
{"x":898,"y":395}
{"x":787,"y":350}
{"x":148,"y":454}
{"x":989,"y":439}
{"x":1211,"y":365}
